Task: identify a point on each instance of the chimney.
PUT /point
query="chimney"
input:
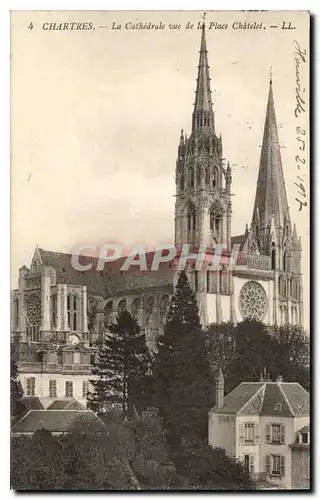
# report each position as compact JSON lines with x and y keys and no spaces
{"x":219,"y":383}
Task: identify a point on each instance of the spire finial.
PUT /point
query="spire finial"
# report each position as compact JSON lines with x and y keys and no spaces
{"x":270,"y":80}
{"x":204,"y":17}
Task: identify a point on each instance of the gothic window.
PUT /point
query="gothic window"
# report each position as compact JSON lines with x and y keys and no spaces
{"x":207,"y":175}
{"x":182,"y":182}
{"x":252,"y":301}
{"x":223,"y":275}
{"x":149,"y":309}
{"x":164,"y":305}
{"x":191,"y":180}
{"x":208,"y":281}
{"x":273,"y":256}
{"x":72,"y":311}
{"x":282,"y":286}
{"x":198,"y":176}
{"x":191,"y":217}
{"x":286,"y":261}
{"x":217,"y":225}
{"x":69,"y":310}
{"x":196,"y":281}
{"x":121,"y":306}
{"x":135,"y":307}
{"x":293,"y":288}
{"x":215,"y":177}
{"x":108,"y":310}
{"x":54,"y":310}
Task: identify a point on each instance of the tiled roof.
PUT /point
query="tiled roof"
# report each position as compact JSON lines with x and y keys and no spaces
{"x":266,"y":398}
{"x":58,"y":421}
{"x":306,"y":428}
{"x":66,"y":404}
{"x":32,"y":403}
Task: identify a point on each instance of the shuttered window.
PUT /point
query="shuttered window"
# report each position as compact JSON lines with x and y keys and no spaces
{"x":69,"y":389}
{"x":275,"y":465}
{"x":31,"y":382}
{"x":52,"y":388}
{"x":85,"y":388}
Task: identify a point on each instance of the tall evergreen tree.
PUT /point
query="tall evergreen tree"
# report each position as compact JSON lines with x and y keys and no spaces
{"x":182,"y":378}
{"x":16,"y":391}
{"x":122,"y":368}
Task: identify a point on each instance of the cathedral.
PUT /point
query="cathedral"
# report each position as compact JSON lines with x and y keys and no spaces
{"x":59,"y":314}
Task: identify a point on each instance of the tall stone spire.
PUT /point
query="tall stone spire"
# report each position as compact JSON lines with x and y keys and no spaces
{"x":203,"y":115}
{"x":271,"y":198}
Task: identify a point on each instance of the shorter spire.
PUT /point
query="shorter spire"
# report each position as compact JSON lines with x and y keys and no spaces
{"x":181,"y":138}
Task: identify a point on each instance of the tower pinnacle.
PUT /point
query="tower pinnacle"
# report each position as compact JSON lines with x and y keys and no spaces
{"x":203,"y":114}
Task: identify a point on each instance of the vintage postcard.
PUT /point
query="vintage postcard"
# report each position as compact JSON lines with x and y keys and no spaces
{"x":160,"y":243}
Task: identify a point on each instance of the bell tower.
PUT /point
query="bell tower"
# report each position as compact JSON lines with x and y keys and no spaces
{"x":203,"y":178}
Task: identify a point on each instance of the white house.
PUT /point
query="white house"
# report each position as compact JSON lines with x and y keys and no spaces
{"x":257,"y":423}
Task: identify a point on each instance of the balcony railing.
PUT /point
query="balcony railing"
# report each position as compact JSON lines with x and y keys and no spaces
{"x":254,"y":261}
{"x":36,"y":367}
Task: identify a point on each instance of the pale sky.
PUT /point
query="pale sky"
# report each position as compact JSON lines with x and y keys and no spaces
{"x":96,"y":119}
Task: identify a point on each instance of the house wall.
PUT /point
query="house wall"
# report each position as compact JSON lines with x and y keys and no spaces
{"x":42,"y":385}
{"x":222,"y":432}
{"x":300,"y":467}
{"x":248,"y":449}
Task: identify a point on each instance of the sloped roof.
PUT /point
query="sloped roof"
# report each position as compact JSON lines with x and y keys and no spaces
{"x":111,"y":279}
{"x":239,"y":240}
{"x":306,"y":428}
{"x":32,"y":403}
{"x":66,"y":404}
{"x":58,"y":421}
{"x":266,"y":398}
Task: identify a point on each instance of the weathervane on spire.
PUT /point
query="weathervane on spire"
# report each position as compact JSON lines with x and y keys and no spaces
{"x":270,"y":75}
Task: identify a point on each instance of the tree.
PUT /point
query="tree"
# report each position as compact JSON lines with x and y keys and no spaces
{"x":16,"y":391}
{"x":122,"y":368}
{"x":292,"y":357}
{"x":210,"y":468}
{"x":245,"y":350}
{"x":182,"y":377}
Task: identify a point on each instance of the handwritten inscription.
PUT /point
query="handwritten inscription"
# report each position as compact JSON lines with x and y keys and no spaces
{"x":300,"y":108}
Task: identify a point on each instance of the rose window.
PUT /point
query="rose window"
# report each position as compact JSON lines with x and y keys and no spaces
{"x":252,"y":301}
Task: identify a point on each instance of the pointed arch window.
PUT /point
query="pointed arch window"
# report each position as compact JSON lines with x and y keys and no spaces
{"x":207,"y":175}
{"x":282,"y":286}
{"x":198,"y":175}
{"x":273,"y":256}
{"x":215,"y":178}
{"x":191,"y":178}
{"x":293,"y":288}
{"x":182,"y":182}
{"x":192,"y":219}
{"x":286,"y":260}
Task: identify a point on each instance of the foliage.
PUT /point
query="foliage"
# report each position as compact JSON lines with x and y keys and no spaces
{"x":16,"y":392}
{"x":182,"y":379}
{"x":122,"y":368}
{"x":210,"y":468}
{"x":245,"y":350}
